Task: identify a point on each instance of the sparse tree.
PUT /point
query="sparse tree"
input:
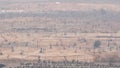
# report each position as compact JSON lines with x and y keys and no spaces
{"x":21,"y":52}
{"x":97,"y":44}
{"x":41,"y":50}
{"x":12,"y":49}
{"x":1,"y":53}
{"x":50,"y":46}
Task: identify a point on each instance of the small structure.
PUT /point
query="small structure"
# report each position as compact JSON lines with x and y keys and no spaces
{"x":57,"y":2}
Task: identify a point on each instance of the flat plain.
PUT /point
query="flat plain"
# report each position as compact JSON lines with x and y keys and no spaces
{"x":59,"y":30}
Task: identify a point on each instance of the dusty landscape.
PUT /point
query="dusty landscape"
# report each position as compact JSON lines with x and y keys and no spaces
{"x":57,"y":31}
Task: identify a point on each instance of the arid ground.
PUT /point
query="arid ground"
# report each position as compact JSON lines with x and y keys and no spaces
{"x":59,"y":30}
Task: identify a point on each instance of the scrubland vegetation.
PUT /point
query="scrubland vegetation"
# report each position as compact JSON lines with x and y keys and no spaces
{"x":65,"y":35}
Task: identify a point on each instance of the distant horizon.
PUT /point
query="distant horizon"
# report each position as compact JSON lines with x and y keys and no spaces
{"x":84,"y":1}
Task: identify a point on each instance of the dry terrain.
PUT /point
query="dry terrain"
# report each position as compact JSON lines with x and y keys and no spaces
{"x":58,"y":31}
